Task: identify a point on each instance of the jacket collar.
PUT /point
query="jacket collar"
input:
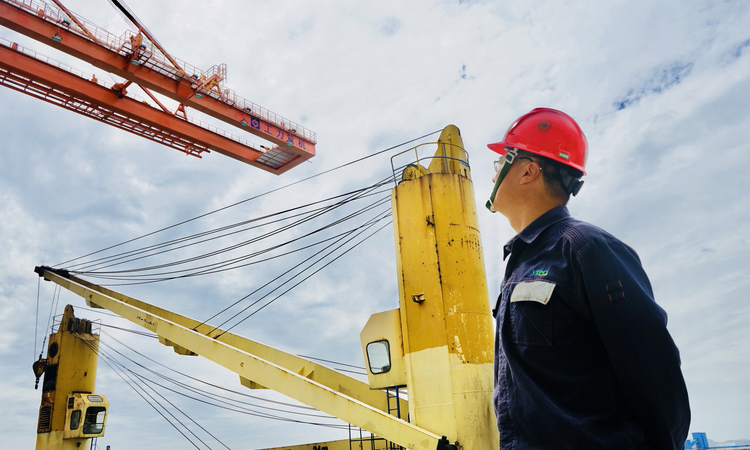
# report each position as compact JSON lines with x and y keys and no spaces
{"x":535,"y":228}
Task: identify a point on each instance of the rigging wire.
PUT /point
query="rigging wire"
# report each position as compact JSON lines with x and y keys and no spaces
{"x":144,"y":280}
{"x":297,"y":267}
{"x":239,"y":409}
{"x":332,"y":362}
{"x":302,"y":268}
{"x":146,"y":388}
{"x":111,"y":259}
{"x":53,"y":308}
{"x":248,"y":199}
{"x":224,"y":402}
{"x":342,"y":239}
{"x":225,"y":265}
{"x":138,"y":332}
{"x":36,"y":317}
{"x":146,"y":381}
{"x":308,"y":276}
{"x":171,"y":369}
{"x":123,"y":373}
{"x":123,"y":255}
{"x":361,"y":371}
{"x":97,"y":310}
{"x":298,"y":215}
{"x":108,"y":274}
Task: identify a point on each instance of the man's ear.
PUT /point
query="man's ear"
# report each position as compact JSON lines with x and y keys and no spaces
{"x":531,"y":172}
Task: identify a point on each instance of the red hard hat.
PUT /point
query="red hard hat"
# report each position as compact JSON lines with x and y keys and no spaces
{"x":549,"y":133}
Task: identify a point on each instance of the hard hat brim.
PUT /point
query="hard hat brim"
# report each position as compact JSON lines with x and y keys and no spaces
{"x":498,"y":147}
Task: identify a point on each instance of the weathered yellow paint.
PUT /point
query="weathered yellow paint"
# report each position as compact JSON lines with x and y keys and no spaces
{"x":445,"y":312}
{"x":71,"y":367}
{"x":440,"y":254}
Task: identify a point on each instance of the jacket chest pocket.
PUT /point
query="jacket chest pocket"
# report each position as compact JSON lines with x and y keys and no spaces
{"x":531,"y":313}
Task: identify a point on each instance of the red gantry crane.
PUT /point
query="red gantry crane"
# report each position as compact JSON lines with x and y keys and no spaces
{"x":138,"y":58}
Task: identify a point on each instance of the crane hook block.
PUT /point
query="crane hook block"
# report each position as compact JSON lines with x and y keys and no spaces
{"x":38,"y":368}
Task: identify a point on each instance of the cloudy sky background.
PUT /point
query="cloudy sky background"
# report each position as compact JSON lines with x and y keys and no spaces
{"x":660,"y":88}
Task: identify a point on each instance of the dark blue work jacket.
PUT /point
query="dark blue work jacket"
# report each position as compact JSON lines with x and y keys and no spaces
{"x":583,"y":358}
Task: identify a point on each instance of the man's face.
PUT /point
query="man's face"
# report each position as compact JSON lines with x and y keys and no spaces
{"x":502,"y":197}
{"x":505,"y":194}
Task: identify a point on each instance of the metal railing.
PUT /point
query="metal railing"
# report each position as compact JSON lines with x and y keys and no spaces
{"x":95,"y":327}
{"x":421,"y":163}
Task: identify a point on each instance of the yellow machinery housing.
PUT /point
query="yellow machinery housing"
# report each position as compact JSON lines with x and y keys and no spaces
{"x":70,"y":414}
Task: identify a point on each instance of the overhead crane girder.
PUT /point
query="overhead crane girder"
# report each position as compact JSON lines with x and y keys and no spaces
{"x":47,"y":82}
{"x":294,"y":143}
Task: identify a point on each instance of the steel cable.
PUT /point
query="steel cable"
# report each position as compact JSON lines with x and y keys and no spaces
{"x":62,"y":264}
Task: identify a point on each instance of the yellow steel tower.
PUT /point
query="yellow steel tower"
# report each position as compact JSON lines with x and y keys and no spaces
{"x":446,"y":324}
{"x":70,"y":414}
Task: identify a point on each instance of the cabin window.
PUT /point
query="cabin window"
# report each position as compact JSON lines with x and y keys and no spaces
{"x":93,"y":423}
{"x":379,"y":356}
{"x":75,"y":419}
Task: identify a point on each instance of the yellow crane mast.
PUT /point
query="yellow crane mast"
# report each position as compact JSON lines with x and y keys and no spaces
{"x":437,"y":344}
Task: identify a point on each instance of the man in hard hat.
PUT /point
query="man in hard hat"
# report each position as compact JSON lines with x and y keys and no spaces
{"x":583,"y":358}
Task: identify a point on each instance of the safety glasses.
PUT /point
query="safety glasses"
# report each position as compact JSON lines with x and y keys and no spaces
{"x":508,"y":159}
{"x":502,"y":166}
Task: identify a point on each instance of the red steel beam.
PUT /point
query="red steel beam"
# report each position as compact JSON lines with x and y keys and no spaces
{"x":154,"y":75}
{"x":55,"y":85}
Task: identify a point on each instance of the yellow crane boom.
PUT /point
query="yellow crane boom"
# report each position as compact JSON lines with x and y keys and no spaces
{"x":310,"y":383}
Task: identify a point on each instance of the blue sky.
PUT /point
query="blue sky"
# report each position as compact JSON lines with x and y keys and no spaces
{"x":660,"y":88}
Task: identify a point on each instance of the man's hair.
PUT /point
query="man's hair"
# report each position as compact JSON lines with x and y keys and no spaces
{"x":551,"y":173}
